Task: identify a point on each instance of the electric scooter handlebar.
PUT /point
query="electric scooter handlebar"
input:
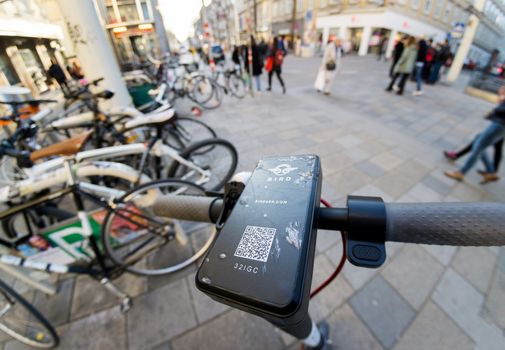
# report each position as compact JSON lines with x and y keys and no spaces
{"x":262,"y":259}
{"x":458,"y":224}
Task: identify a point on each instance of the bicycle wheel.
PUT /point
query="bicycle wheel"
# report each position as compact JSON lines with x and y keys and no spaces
{"x":216,"y":99}
{"x":20,"y":320}
{"x":200,"y":89}
{"x":236,"y":85}
{"x":145,"y":244}
{"x":220,"y":164}
{"x":185,"y":131}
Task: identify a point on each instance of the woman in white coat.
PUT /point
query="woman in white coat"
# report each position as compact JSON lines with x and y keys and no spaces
{"x":329,"y":66}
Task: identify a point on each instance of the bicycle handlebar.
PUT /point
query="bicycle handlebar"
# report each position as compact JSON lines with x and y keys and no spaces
{"x":459,"y":224}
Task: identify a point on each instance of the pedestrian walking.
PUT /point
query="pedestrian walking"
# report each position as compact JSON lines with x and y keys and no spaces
{"x":498,"y":149}
{"x":431,"y":53}
{"x":275,"y":58}
{"x":422,"y":50}
{"x":257,"y":63}
{"x":404,"y":66}
{"x":443,"y":54}
{"x":55,"y":72}
{"x":492,"y":134}
{"x":330,"y":65}
{"x":397,"y":53}
{"x":381,"y":47}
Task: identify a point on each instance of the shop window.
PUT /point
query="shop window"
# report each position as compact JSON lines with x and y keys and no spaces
{"x":145,"y":10}
{"x":447,"y":12}
{"x":128,"y":10}
{"x":427,"y":6}
{"x":414,"y":4}
{"x":323,"y":3}
{"x":438,"y":8}
{"x":8,"y":71}
{"x":401,"y":2}
{"x":111,"y":15}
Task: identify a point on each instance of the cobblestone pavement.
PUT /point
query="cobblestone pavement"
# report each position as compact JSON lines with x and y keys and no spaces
{"x":370,"y":142}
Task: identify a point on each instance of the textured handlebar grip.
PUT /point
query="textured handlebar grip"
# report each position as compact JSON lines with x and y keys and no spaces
{"x":459,"y":224}
{"x":191,"y":208}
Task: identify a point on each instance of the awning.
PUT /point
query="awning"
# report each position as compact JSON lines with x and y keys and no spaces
{"x":24,"y":28}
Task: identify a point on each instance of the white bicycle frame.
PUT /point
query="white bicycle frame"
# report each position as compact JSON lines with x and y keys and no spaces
{"x":90,"y":163}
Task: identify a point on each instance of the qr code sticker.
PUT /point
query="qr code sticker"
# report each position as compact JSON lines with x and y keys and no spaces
{"x":255,"y":243}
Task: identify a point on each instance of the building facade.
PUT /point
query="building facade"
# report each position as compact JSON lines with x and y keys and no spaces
{"x":135,"y":29}
{"x":217,"y":23}
{"x":28,"y":41}
{"x":361,"y":22}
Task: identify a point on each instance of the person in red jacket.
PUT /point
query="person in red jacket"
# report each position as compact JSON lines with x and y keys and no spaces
{"x":275,"y":58}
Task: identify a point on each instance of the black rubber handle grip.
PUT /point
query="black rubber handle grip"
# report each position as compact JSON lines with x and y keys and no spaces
{"x":459,"y":224}
{"x":191,"y":208}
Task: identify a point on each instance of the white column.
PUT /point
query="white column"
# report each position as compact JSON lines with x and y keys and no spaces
{"x":93,"y":49}
{"x":466,"y":43}
{"x":391,"y":43}
{"x":365,"y":39}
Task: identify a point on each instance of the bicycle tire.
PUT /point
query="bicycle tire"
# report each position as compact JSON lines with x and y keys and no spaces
{"x":216,"y":99}
{"x":177,"y":168}
{"x":172,"y":249}
{"x":10,"y":294}
{"x":195,"y":85}
{"x":182,"y":137}
{"x":233,"y":82}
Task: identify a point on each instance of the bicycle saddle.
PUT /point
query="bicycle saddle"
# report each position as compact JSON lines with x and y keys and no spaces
{"x":65,"y":148}
{"x":151,"y":119}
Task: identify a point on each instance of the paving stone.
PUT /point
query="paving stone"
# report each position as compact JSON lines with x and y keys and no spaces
{"x":348,"y":180}
{"x":432,"y":329}
{"x":331,"y":297}
{"x":443,"y":254}
{"x":394,"y":184}
{"x":348,"y":332}
{"x":232,"y":330}
{"x":374,"y":191}
{"x":90,"y":296}
{"x":160,"y":315}
{"x":495,"y":305}
{"x":386,"y":160}
{"x":205,"y":307}
{"x":349,"y":141}
{"x":501,"y":260}
{"x":413,"y":273}
{"x":369,"y":168}
{"x":326,"y":238}
{"x":436,"y":185}
{"x":463,"y":303}
{"x":423,"y":193}
{"x":475,"y":264}
{"x":162,"y":346}
{"x":56,"y":308}
{"x":357,"y":276}
{"x":103,"y":330}
{"x":383,"y":310}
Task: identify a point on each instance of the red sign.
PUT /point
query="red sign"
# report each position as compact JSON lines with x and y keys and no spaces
{"x":405,"y":24}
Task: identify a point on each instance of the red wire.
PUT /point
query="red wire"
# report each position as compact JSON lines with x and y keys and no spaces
{"x":340,"y":264}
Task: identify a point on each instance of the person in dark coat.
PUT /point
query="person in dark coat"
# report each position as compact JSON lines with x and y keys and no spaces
{"x":442,"y":56}
{"x":397,"y":53}
{"x":422,"y":51}
{"x":55,"y":72}
{"x":257,"y":63}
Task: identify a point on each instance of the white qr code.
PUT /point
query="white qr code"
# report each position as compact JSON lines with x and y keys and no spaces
{"x":255,"y":243}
